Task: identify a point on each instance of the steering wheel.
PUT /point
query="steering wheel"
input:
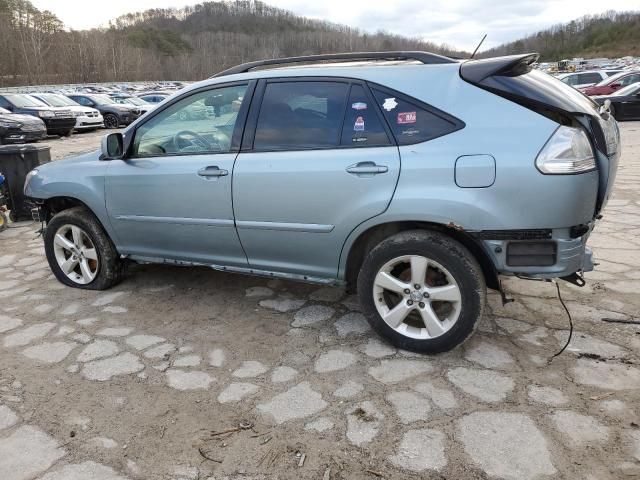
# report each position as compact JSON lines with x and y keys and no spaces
{"x":184,"y":139}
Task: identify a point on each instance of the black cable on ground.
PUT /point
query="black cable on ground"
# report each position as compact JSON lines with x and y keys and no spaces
{"x":570,"y":323}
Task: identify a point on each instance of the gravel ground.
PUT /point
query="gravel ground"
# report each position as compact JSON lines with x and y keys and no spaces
{"x":140,"y":381}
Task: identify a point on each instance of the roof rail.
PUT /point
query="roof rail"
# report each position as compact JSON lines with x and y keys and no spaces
{"x":424,"y":57}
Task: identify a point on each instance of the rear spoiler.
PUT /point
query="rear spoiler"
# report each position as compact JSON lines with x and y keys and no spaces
{"x":476,"y":71}
{"x":512,"y":77}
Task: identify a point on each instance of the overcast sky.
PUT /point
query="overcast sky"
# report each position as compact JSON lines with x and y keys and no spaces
{"x":459,"y":23}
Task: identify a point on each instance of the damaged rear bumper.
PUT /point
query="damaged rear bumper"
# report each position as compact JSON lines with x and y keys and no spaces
{"x":553,"y":254}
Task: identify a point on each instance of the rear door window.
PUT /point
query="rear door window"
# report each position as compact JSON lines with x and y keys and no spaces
{"x":362,"y":126}
{"x":411,"y":121}
{"x":301,"y":115}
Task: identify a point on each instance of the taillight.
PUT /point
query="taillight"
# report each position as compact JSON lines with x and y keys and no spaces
{"x":568,"y":151}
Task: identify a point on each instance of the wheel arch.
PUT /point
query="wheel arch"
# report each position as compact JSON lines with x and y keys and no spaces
{"x":373,"y":235}
{"x":52,"y":205}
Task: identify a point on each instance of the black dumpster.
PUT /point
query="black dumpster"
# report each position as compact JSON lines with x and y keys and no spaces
{"x":15,"y":162}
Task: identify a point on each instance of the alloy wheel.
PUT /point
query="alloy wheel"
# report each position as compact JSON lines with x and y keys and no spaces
{"x":110,"y":121}
{"x":417,"y":297}
{"x":76,"y":254}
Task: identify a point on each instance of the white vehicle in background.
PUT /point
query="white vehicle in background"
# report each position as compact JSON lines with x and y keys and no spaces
{"x":586,"y":78}
{"x":87,"y":118}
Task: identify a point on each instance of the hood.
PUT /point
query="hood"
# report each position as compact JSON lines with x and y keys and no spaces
{"x":36,"y":108}
{"x":75,"y":160}
{"x":79,"y":108}
{"x":25,"y":119}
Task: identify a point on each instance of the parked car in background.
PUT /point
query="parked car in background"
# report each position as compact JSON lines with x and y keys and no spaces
{"x":87,"y":118}
{"x":613,"y":83}
{"x":16,"y":128}
{"x":113,"y":113}
{"x":196,"y":111}
{"x":154,"y":97}
{"x":403,"y":180}
{"x":124,"y":99}
{"x":59,"y":121}
{"x":625,"y":103}
{"x":586,"y":78}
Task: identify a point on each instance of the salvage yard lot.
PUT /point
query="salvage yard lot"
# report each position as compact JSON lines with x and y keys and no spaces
{"x":139,"y":381}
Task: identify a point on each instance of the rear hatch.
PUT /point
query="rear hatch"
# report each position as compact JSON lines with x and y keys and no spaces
{"x":512,"y":77}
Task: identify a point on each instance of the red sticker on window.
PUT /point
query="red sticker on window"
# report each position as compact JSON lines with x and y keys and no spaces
{"x":407,"y":117}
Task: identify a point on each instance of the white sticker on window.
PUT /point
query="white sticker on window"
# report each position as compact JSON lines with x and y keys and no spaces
{"x":389,"y":104}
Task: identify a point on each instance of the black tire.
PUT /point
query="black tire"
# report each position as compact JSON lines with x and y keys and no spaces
{"x":68,"y":134}
{"x":110,"y":266}
{"x":111,"y":120}
{"x":451,"y":255}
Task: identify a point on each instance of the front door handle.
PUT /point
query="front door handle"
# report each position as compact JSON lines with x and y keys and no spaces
{"x":367,"y":168}
{"x":212,"y":171}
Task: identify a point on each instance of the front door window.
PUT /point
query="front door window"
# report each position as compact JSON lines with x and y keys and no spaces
{"x":200,"y":123}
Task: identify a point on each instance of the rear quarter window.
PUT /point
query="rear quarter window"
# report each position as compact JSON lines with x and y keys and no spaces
{"x":412,"y":121}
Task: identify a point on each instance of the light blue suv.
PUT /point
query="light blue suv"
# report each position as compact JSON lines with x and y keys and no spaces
{"x":412,"y":178}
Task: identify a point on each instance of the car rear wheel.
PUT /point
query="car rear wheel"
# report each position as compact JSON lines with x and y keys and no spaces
{"x":79,"y":251}
{"x":422,"y":291}
{"x":111,"y":121}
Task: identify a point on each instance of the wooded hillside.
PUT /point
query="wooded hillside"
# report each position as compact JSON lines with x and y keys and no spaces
{"x":178,"y":44}
{"x":195,"y":42}
{"x":612,"y":35}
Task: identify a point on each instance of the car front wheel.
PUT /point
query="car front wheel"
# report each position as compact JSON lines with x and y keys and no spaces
{"x":111,"y":121}
{"x":422,"y":291}
{"x":79,"y":251}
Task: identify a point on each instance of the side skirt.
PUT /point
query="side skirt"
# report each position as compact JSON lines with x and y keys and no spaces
{"x":242,"y":270}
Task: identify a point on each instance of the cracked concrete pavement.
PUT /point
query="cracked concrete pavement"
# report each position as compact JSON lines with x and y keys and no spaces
{"x":140,"y":381}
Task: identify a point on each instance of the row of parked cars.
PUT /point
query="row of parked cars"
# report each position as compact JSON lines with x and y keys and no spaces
{"x":620,"y":87}
{"x":33,"y":116}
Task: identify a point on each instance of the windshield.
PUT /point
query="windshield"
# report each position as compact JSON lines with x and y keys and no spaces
{"x":102,"y":99}
{"x":628,"y":90}
{"x":55,"y":100}
{"x":22,"y":101}
{"x":135,"y":101}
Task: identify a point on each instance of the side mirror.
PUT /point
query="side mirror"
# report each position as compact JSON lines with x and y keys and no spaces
{"x":113,"y":146}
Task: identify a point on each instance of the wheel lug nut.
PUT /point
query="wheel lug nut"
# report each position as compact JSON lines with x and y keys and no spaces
{"x":407,"y":291}
{"x":426,"y":295}
{"x":416,"y":286}
{"x":421,"y":304}
{"x":409,"y":302}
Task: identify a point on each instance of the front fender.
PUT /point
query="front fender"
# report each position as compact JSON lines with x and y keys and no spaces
{"x":80,"y":178}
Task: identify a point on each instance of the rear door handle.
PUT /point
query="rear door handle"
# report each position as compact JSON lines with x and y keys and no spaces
{"x":367,"y":168}
{"x":213,"y":171}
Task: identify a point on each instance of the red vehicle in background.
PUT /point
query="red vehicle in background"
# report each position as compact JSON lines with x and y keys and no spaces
{"x":613,"y":83}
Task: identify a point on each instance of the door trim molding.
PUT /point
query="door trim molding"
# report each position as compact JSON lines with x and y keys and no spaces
{"x":285,"y":227}
{"x":213,"y":222}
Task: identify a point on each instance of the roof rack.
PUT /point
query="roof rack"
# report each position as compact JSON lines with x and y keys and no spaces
{"x":424,"y":57}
